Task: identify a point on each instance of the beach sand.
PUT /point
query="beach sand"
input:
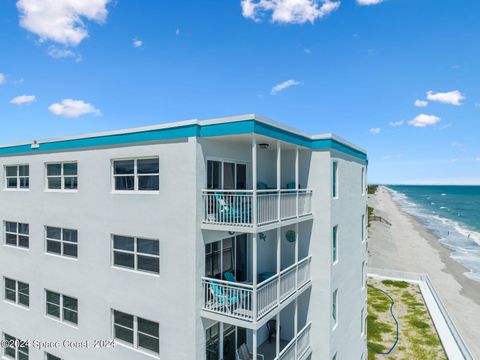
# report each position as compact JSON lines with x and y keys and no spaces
{"x":407,"y":246}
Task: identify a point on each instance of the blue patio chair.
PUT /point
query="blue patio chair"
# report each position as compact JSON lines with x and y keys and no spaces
{"x":225,"y":300}
{"x":291,"y":186}
{"x":242,"y":353}
{"x":261,"y":186}
{"x":229,"y":276}
{"x":229,"y":213}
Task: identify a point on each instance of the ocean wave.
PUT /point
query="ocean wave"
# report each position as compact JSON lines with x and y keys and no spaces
{"x":460,"y":239}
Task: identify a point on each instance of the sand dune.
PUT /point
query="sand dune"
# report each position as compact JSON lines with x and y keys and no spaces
{"x":406,"y":246}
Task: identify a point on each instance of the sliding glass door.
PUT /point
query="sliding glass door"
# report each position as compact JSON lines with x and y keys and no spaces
{"x":227,"y":255}
{"x":226,"y":175}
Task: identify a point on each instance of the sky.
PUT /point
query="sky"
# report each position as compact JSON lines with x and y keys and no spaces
{"x":399,"y":78}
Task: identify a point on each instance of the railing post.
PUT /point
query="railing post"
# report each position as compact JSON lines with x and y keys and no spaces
{"x":254,"y":274}
{"x":296,"y":255}
{"x":295,"y":325}
{"x":279,"y":256}
{"x":254,"y":344}
{"x":277,"y":336}
{"x":254,"y":180}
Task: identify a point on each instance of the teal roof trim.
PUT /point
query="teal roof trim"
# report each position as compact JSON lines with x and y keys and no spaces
{"x":185,"y":131}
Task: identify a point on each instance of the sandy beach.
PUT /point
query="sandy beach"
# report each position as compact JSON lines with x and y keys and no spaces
{"x":406,"y":246}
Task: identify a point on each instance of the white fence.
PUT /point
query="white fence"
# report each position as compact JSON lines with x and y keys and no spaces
{"x":298,"y":346}
{"x":423,"y":278}
{"x":236,"y":207}
{"x":246,"y":302}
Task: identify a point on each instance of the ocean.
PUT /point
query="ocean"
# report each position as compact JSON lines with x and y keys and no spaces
{"x":450,"y":212}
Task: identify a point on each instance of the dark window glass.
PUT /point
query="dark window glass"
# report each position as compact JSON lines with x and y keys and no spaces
{"x":54,"y":169}
{"x":10,"y":350}
{"x":11,"y":171}
{"x":54,"y":247}
{"x":11,"y":226}
{"x":52,"y":357}
{"x":148,"y":327}
{"x":241,"y":177}
{"x":148,"y":246}
{"x":54,"y":233}
{"x":71,"y":182}
{"x":70,"y":235}
{"x":228,"y":175}
{"x":123,"y":243}
{"x":11,"y":239}
{"x":123,"y":319}
{"x":23,"y":170}
{"x":148,"y":182}
{"x":54,"y":182}
{"x":147,"y":263}
{"x":10,"y":290}
{"x":70,"y":249}
{"x":12,"y":182}
{"x":23,"y":241}
{"x":124,"y":183}
{"x":121,"y":167}
{"x":24,"y":183}
{"x":23,"y":293}
{"x":70,"y":169}
{"x":124,"y":259}
{"x":213,"y":173}
{"x":23,"y":229}
{"x":147,"y":166}
{"x":147,"y":342}
{"x":124,"y":334}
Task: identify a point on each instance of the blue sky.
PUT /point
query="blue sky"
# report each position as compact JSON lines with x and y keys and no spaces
{"x":353,"y":69}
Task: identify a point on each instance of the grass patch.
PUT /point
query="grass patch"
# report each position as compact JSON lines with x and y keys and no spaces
{"x":370,"y":213}
{"x":395,"y":283}
{"x":372,"y":189}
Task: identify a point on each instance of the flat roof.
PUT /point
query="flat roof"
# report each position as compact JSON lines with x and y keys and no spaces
{"x":232,"y":125}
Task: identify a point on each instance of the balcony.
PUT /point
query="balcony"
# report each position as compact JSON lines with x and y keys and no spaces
{"x":299,"y":347}
{"x":251,"y":211}
{"x":249,"y":303}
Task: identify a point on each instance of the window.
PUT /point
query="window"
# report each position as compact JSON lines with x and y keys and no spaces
{"x":62,"y":241}
{"x":362,"y":323}
{"x":17,"y":176}
{"x":335,"y":179}
{"x":335,"y":244}
{"x":62,"y":307}
{"x":14,"y":348}
{"x":226,"y":175}
{"x":17,"y":292}
{"x":363,"y":181}
{"x":140,"y":333}
{"x":16,"y":234}
{"x":136,"y":174}
{"x":334,"y":307}
{"x":363,"y":228}
{"x":136,"y":253}
{"x":363,"y":275}
{"x":51,"y":357}
{"x":62,"y":176}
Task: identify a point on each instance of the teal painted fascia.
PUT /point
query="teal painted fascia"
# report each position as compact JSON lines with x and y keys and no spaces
{"x":186,"y":131}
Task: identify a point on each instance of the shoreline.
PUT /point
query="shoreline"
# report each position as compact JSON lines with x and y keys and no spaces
{"x":407,"y":246}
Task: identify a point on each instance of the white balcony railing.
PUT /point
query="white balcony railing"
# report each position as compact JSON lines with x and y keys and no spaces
{"x":298,"y":346}
{"x":237,"y":207}
{"x":246,"y":302}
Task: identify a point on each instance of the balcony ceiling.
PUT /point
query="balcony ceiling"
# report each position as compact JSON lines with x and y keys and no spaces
{"x":246,"y":139}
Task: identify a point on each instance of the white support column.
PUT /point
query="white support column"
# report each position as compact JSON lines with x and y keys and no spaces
{"x":254,"y":180}
{"x":277,"y":336}
{"x":254,"y":350}
{"x":279,"y":176}
{"x":279,"y":262}
{"x":254,"y":275}
{"x":296,"y":178}
{"x":295,"y":325}
{"x":220,"y":341}
{"x":297,"y":238}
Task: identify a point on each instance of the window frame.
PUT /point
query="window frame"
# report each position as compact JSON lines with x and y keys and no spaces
{"x":17,"y":234}
{"x":62,"y":176}
{"x":135,"y":346}
{"x":47,"y":354}
{"x":135,"y":254}
{"x":334,"y":310}
{"x":16,"y":348}
{"x":135,"y":175}
{"x":364,"y":180}
{"x":61,"y":307}
{"x":335,"y":180}
{"x":335,"y":252}
{"x":17,"y":177}
{"x":364,"y":273}
{"x":362,"y":322}
{"x":364,"y":229}
{"x":17,"y":292}
{"x":61,"y":241}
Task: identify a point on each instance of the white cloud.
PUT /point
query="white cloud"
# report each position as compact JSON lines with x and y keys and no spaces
{"x":424,"y":120}
{"x":137,"y":43}
{"x":73,"y":108}
{"x":368,"y":2}
{"x":375,"y":131}
{"x":61,"y":21}
{"x":3,"y":79}
{"x":421,"y":103}
{"x":396,"y":123}
{"x":23,"y":99}
{"x":478,"y":158}
{"x":177,"y":31}
{"x":288,"y":11}
{"x":451,"y":97}
{"x":446,"y":126}
{"x":284,"y":85}
{"x":63,"y":54}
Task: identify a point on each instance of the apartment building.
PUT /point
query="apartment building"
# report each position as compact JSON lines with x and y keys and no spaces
{"x":229,"y":238}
